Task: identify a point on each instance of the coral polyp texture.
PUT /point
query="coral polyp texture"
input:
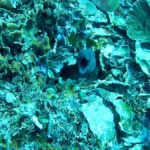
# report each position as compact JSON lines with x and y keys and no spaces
{"x":74,"y":74}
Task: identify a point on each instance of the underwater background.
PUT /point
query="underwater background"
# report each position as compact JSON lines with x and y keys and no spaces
{"x":74,"y":74}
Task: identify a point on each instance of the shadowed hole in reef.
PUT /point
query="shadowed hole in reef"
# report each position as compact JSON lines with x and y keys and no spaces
{"x":72,"y":71}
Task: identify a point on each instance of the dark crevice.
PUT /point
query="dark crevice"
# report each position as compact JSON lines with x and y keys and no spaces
{"x":120,"y":134}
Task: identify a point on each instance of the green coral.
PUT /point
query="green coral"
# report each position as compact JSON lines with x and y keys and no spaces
{"x":42,"y":107}
{"x":138,"y":21}
{"x":107,"y":5}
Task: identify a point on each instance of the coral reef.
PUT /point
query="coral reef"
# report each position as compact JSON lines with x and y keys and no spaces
{"x":74,"y":74}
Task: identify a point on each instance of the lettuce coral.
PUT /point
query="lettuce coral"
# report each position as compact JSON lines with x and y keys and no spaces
{"x":107,"y":5}
{"x":138,"y":21}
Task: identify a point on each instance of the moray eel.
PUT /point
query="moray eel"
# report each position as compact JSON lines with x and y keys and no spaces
{"x":86,"y":61}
